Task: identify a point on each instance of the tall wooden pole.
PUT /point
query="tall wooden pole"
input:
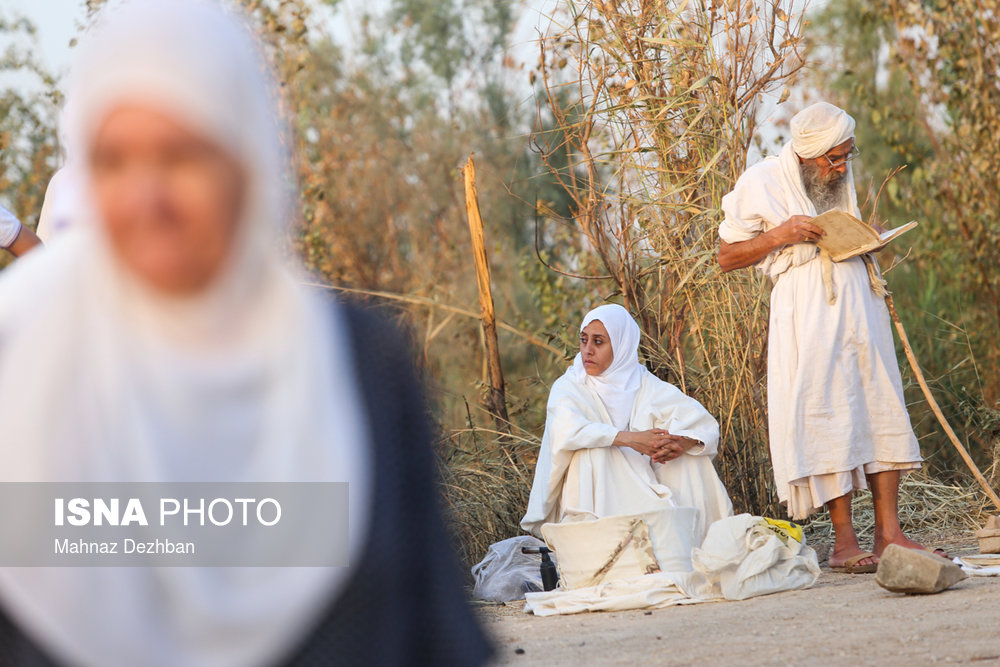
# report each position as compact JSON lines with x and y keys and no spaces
{"x":497,"y":402}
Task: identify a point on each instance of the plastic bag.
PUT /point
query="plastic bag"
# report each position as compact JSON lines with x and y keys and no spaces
{"x":744,"y":556}
{"x":505,"y":573}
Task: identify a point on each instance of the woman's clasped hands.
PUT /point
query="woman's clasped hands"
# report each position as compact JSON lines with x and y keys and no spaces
{"x":656,"y":443}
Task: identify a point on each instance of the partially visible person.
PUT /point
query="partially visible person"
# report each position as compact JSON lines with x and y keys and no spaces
{"x":61,"y":206}
{"x":618,"y":440}
{"x":179,"y":346}
{"x":14,"y":236}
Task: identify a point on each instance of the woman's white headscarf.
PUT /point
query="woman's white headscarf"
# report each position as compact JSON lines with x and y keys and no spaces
{"x":103,"y":379}
{"x":618,"y":384}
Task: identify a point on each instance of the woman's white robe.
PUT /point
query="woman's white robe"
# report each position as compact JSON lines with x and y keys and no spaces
{"x":580,"y":471}
{"x":835,"y":398}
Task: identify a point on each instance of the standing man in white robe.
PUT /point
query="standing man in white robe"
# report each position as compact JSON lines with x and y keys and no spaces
{"x":836,"y":413}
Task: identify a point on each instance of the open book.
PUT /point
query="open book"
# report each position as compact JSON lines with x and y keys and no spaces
{"x":847,"y":237}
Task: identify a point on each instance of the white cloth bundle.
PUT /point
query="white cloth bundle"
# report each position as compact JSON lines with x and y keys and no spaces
{"x":739,"y":559}
{"x":612,"y":548}
{"x":743,"y":558}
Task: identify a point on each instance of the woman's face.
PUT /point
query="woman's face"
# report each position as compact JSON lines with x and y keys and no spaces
{"x":595,"y":348}
{"x":170,"y":200}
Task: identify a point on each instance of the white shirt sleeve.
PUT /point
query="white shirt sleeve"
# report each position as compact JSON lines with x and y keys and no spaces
{"x":10,"y":227}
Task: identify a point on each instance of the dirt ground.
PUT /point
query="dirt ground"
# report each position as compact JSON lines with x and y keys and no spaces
{"x":842,"y":620}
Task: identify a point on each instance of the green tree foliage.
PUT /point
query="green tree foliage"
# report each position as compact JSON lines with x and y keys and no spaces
{"x":382,"y":134}
{"x":448,"y":36}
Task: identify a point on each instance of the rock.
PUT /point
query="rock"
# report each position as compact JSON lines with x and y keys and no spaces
{"x":989,"y":536}
{"x":903,"y":570}
{"x":989,"y":540}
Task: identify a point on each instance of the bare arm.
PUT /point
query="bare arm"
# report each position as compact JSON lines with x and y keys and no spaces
{"x":25,"y":241}
{"x":796,"y":229}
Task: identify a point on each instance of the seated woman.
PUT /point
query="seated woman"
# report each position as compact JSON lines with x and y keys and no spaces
{"x":618,"y":440}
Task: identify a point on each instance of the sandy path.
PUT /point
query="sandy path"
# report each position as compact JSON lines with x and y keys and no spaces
{"x":843,"y":620}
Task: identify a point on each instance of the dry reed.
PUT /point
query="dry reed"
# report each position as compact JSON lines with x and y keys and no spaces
{"x":486,"y":477}
{"x":653,"y":108}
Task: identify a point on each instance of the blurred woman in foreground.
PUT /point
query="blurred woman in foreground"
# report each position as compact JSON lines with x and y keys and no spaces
{"x":170,"y":342}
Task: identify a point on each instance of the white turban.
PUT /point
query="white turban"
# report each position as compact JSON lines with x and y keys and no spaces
{"x":619,"y":383}
{"x":818,"y":128}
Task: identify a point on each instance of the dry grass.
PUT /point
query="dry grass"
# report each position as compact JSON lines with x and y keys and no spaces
{"x":486,"y":477}
{"x":928,"y":510}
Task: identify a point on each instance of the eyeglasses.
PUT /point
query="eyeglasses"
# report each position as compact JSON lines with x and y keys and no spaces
{"x":855,"y":152}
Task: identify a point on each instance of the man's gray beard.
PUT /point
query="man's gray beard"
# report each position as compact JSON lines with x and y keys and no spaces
{"x":824,"y":193}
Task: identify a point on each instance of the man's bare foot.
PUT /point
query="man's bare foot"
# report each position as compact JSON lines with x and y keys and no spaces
{"x":842,"y":554}
{"x":902,"y":540}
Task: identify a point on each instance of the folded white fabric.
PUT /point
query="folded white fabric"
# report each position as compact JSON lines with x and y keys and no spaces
{"x":744,"y":558}
{"x":651,"y":591}
{"x":622,"y":547}
{"x":983,"y":566}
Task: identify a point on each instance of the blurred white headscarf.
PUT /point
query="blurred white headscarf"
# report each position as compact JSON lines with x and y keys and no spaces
{"x":103,"y":379}
{"x":620,"y":381}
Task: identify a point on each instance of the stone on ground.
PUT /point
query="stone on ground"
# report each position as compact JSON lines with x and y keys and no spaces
{"x":905,"y":570}
{"x":989,"y":536}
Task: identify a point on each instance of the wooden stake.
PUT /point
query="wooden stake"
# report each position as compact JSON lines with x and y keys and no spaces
{"x":497,"y":402}
{"x":934,"y":406}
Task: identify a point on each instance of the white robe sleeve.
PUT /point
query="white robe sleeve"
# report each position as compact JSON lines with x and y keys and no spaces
{"x":763,"y":199}
{"x":660,"y":404}
{"x":569,"y":429}
{"x":10,"y":227}
{"x":754,"y":204}
{"x":570,"y":425}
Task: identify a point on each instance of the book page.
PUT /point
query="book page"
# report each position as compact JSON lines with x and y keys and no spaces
{"x":890,"y":234}
{"x":846,"y":236}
